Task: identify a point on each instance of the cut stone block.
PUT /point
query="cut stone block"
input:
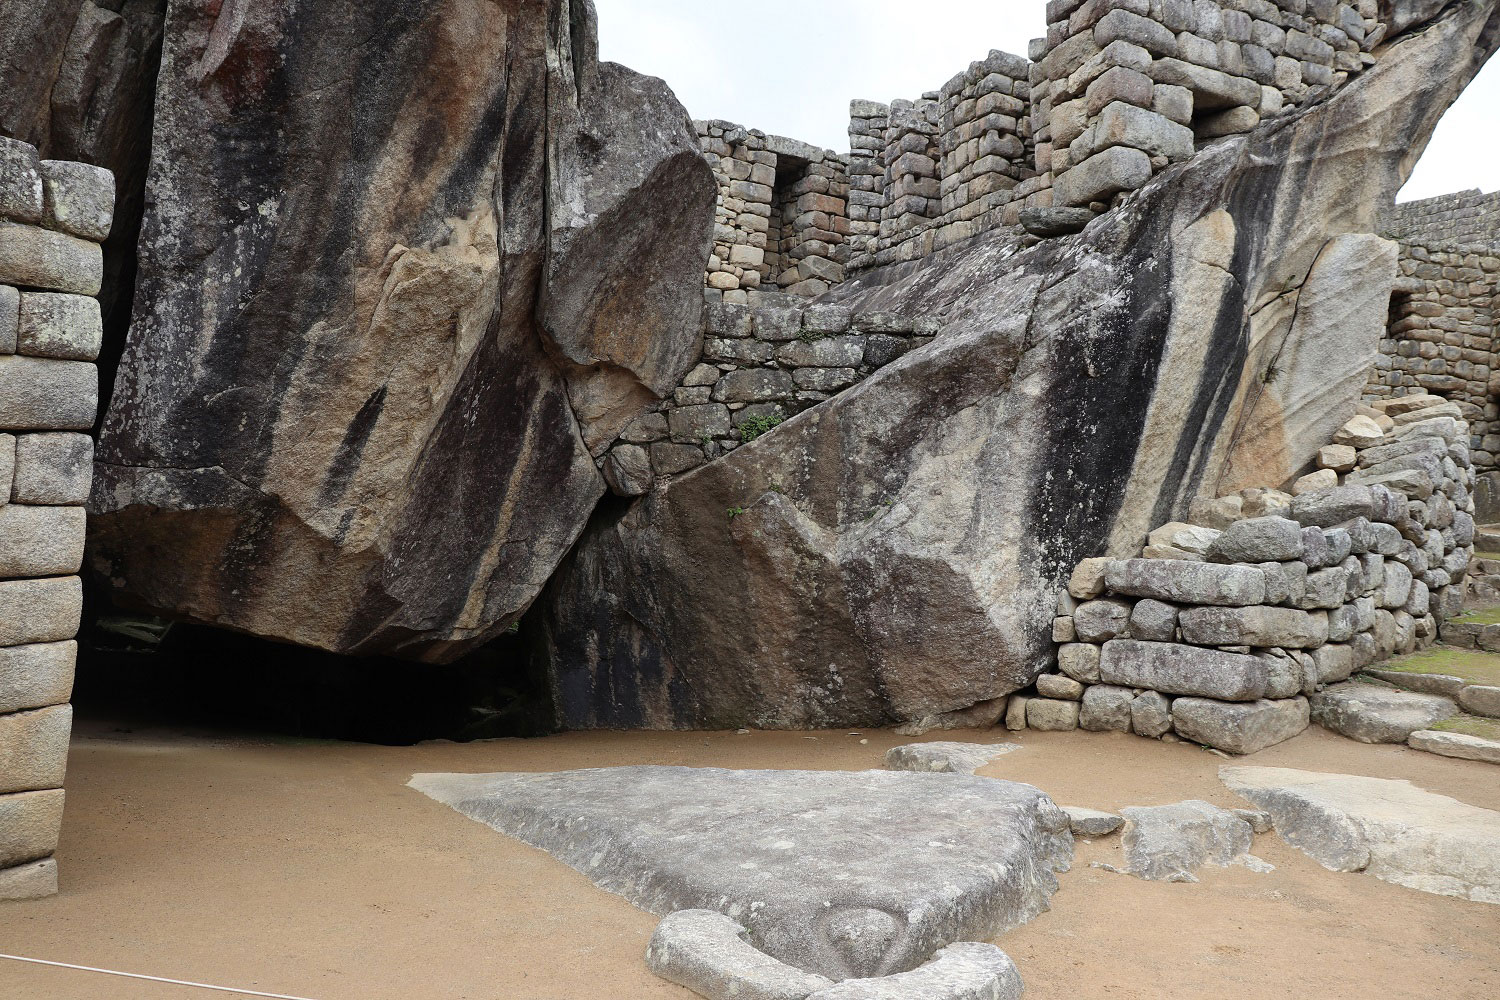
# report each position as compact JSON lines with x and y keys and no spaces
{"x":39,"y":610}
{"x":1373,"y":714}
{"x":78,"y":198}
{"x":40,"y":541}
{"x":1103,"y":175}
{"x":35,"y":880}
{"x":42,"y":394}
{"x":20,"y":181}
{"x":10,"y":317}
{"x":1390,"y":829}
{"x":1050,"y":715}
{"x":945,"y":758}
{"x":36,"y":676}
{"x":1480,"y":699}
{"x":1099,"y":620}
{"x":40,"y":258}
{"x":1059,"y":686}
{"x":1080,"y":661}
{"x":1164,"y":843}
{"x":1092,"y":822}
{"x":1185,"y":582}
{"x":55,"y":325}
{"x":1460,"y":745}
{"x":29,"y":826}
{"x":1151,"y":714}
{"x":967,"y":970}
{"x":910,"y":861}
{"x":1106,"y":708}
{"x":1262,"y":627}
{"x":53,"y":468}
{"x":1328,"y":508}
{"x":1242,"y":727}
{"x":712,"y":956}
{"x":1183,"y":670}
{"x":1258,"y":540}
{"x":34,"y":748}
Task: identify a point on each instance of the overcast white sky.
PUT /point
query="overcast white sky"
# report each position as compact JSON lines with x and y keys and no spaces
{"x":790,"y":67}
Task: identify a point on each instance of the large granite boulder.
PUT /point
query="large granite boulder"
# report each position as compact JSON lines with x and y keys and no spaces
{"x":404,"y":266}
{"x":896,"y":553}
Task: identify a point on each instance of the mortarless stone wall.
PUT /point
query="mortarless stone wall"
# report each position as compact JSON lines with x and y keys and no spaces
{"x":53,"y":217}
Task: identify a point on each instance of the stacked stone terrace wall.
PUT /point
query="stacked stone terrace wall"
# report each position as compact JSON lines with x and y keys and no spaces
{"x":53,"y":218}
{"x":1228,"y":624}
{"x":1122,"y":88}
{"x":781,"y":220}
{"x":1441,"y":337}
{"x":761,"y":365}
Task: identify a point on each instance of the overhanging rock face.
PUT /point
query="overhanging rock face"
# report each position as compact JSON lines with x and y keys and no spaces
{"x":894,"y":554}
{"x":404,"y":267}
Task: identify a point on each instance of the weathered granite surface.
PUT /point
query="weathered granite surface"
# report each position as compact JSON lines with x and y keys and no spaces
{"x":840,"y":874}
{"x":894,"y":553}
{"x":369,"y":365}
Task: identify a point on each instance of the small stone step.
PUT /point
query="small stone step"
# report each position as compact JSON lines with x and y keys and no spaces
{"x":1460,"y":745}
{"x":1373,"y":713}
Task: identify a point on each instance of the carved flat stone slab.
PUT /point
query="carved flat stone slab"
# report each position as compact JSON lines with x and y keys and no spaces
{"x":1168,"y":843}
{"x":1391,"y":829}
{"x":843,"y":874}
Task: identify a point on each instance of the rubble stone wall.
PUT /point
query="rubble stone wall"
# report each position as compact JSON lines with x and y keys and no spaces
{"x":761,"y":365}
{"x":781,"y":220}
{"x":1441,"y":337}
{"x":53,"y":217}
{"x":1227,"y":625}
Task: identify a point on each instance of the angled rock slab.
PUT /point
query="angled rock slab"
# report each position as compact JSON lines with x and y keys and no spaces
{"x":1374,"y":714}
{"x":945,"y":758}
{"x":964,"y":971}
{"x":1166,"y":843}
{"x":1084,"y":822}
{"x":1460,"y":745}
{"x":840,"y":874}
{"x":1391,"y":829}
{"x":712,"y":956}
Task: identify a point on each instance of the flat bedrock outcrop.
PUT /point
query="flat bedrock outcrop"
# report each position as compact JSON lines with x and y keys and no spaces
{"x":371,"y":366}
{"x":840,"y":874}
{"x":895,"y":553}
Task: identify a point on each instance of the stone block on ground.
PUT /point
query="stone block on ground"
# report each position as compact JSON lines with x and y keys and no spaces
{"x":912,"y":861}
{"x":1092,"y":822}
{"x":1374,"y":714}
{"x":34,"y":880}
{"x":1183,"y":670}
{"x":967,"y":970}
{"x":1239,"y":727}
{"x":711,"y":955}
{"x":1052,"y":716}
{"x":945,"y":757}
{"x":1106,"y":708}
{"x":1459,"y":745}
{"x":1390,"y":829}
{"x":1151,"y":714}
{"x":1168,"y":843}
{"x":29,"y":826}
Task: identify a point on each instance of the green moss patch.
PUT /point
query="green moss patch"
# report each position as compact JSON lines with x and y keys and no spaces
{"x":1471,"y":725}
{"x":1472,"y":665}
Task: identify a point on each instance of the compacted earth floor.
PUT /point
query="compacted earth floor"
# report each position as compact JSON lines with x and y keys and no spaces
{"x":310,"y":869}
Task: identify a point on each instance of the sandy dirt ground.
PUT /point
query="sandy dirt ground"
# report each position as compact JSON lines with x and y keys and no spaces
{"x":310,"y":869}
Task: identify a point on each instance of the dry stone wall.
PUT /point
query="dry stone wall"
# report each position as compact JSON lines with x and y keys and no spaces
{"x":1441,"y":337}
{"x":1116,"y":91}
{"x":760,"y":365}
{"x":781,"y":220}
{"x":1226,"y":625}
{"x":53,"y":217}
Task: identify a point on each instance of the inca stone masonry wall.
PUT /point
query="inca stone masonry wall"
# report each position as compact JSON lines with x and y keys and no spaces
{"x":1441,"y":337}
{"x":53,"y":216}
{"x":761,"y":364}
{"x":1117,"y":91}
{"x":1228,"y":627}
